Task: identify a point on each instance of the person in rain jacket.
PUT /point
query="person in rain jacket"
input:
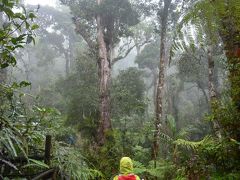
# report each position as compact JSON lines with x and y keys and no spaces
{"x":126,"y":170}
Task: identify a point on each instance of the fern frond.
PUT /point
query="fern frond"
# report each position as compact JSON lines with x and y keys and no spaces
{"x":192,"y":145}
{"x":165,"y":137}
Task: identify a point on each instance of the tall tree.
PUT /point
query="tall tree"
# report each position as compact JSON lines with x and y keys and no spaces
{"x":168,"y":12}
{"x":163,"y":21}
{"x":61,"y":38}
{"x":229,"y":29}
{"x":222,"y":18}
{"x":210,"y":31}
{"x":102,"y":23}
{"x":104,"y":55}
{"x":224,"y":15}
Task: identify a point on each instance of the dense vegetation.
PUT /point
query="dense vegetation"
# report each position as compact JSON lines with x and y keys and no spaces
{"x":87,"y":82}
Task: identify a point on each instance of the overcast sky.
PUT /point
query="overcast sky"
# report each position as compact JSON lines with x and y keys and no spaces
{"x":41,"y":2}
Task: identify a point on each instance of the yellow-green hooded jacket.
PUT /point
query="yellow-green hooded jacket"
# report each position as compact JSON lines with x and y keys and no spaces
{"x":126,"y":170}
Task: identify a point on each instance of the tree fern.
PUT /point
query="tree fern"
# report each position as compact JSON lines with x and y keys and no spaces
{"x":198,"y":27}
{"x":208,"y":15}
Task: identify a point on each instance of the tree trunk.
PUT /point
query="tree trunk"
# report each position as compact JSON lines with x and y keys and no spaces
{"x":212,"y":91}
{"x":160,"y":86}
{"x":104,"y":81}
{"x":155,"y":83}
{"x":233,"y":56}
{"x":230,"y":34}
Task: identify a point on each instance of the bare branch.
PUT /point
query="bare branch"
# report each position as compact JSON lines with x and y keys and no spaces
{"x":120,"y":57}
{"x":124,"y":56}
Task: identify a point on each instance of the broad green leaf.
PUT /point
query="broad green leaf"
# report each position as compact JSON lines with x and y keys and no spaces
{"x":34,"y":26}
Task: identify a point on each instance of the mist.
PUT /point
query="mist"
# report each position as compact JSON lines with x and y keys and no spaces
{"x":85,"y":83}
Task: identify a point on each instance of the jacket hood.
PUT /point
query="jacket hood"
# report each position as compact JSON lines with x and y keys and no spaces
{"x":126,"y":166}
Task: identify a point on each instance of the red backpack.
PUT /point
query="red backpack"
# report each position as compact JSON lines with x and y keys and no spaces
{"x":127,"y":177}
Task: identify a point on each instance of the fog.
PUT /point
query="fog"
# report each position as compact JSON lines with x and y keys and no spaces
{"x":111,"y":78}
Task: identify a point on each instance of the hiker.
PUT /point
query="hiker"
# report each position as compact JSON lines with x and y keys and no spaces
{"x":126,"y":170}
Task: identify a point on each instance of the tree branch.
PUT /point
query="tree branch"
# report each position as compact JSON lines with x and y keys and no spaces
{"x":120,"y":57}
{"x":82,"y":30}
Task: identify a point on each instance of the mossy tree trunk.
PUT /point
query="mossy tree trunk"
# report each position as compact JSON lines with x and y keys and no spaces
{"x":230,"y":34}
{"x":104,"y":80}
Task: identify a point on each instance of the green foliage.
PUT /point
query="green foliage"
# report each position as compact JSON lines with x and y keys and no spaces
{"x":71,"y":163}
{"x":33,"y":162}
{"x":193,"y":68}
{"x":128,"y":111}
{"x":141,"y":152}
{"x":164,"y":170}
{"x":81,"y":95}
{"x":191,"y":144}
{"x":149,"y":56}
{"x":128,"y":93}
{"x":227,"y":114}
{"x":121,"y":12}
{"x":117,"y":16}
{"x":15,"y":32}
{"x":24,"y":122}
{"x":107,"y":158}
{"x":23,"y":130}
{"x":213,"y":157}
